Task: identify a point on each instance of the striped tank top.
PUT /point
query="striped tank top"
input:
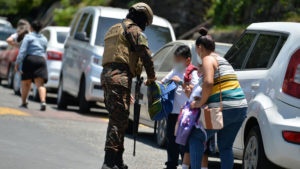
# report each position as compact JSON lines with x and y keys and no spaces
{"x":232,"y":93}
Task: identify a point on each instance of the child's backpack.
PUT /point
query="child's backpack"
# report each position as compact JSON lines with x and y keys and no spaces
{"x":160,"y":99}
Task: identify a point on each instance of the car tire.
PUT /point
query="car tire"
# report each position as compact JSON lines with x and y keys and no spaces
{"x":161,"y":135}
{"x":254,"y":156}
{"x":84,"y":105}
{"x":62,"y":97}
{"x":10,"y":77}
{"x":17,"y":84}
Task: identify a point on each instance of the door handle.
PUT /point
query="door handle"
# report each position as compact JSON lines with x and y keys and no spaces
{"x":255,"y":85}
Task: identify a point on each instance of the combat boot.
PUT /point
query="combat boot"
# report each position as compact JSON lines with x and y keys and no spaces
{"x":109,"y":159}
{"x":119,"y":161}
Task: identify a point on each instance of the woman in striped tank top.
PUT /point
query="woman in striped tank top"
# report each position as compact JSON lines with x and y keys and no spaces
{"x":217,"y":74}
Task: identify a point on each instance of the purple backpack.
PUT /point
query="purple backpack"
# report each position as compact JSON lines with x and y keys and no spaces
{"x":187,"y":119}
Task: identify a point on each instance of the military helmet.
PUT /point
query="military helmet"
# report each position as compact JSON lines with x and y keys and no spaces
{"x":145,"y":8}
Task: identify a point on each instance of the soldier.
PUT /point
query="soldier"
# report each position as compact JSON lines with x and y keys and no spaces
{"x":126,"y":51}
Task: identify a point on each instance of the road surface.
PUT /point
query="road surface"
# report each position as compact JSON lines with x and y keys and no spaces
{"x":30,"y":139}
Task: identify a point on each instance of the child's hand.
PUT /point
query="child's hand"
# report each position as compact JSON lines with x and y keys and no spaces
{"x":176,"y":79}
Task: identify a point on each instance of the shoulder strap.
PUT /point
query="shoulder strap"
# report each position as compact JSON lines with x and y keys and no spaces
{"x":126,"y":34}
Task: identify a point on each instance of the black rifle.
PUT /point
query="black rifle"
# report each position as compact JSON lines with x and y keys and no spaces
{"x":137,"y":109}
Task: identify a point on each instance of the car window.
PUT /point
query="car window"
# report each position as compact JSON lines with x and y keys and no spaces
{"x":82,"y":25}
{"x":61,"y":37}
{"x":167,"y":62}
{"x":46,"y":33}
{"x":159,"y":57}
{"x":157,"y":35}
{"x":89,"y":25}
{"x":262,"y":51}
{"x":5,"y":33}
{"x":75,"y":24}
{"x":239,"y":50}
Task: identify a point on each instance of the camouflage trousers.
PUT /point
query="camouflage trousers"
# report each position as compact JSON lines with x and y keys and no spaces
{"x":117,"y":102}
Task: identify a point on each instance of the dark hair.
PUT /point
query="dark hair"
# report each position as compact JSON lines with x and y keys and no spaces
{"x":36,"y":26}
{"x":22,"y":31}
{"x":183,"y":51}
{"x":138,"y":18}
{"x":206,"y":40}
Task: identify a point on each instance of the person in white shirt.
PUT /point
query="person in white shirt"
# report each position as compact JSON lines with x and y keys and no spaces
{"x":23,"y":27}
{"x":182,"y":59}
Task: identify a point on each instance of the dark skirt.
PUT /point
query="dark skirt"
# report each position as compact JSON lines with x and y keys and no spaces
{"x":34,"y":67}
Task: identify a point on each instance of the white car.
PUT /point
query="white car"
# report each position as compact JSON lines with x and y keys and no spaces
{"x":56,"y":36}
{"x":5,"y":23}
{"x":82,"y":60}
{"x":267,"y":61}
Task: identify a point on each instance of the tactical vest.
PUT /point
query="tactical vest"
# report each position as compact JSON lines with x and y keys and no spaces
{"x":118,"y":50}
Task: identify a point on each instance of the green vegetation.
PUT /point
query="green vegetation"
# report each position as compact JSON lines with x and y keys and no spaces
{"x":63,"y":16}
{"x":236,"y":12}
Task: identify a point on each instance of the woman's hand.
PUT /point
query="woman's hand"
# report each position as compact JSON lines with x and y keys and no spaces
{"x":17,"y":67}
{"x":176,"y":79}
{"x":131,"y":99}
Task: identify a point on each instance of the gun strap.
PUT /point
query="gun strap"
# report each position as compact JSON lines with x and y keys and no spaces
{"x":126,"y":34}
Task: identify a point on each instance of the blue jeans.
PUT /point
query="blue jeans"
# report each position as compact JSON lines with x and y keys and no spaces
{"x":233,"y":120}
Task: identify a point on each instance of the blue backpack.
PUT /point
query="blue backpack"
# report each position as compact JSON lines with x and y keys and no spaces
{"x":160,"y":99}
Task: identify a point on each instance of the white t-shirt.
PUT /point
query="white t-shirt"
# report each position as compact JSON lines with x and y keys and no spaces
{"x":180,"y":98}
{"x":14,"y":36}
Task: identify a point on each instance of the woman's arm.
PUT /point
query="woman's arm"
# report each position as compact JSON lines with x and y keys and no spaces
{"x":209,"y":65}
{"x":11,"y":41}
{"x":22,"y":52}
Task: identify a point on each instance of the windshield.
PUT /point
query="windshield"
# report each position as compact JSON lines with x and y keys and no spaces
{"x":5,"y":34}
{"x":61,"y":37}
{"x":157,"y":35}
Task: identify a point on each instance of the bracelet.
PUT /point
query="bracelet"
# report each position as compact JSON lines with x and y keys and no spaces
{"x":180,"y":82}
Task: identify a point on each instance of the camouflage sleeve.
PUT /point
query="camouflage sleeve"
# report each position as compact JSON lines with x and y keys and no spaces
{"x":140,"y":42}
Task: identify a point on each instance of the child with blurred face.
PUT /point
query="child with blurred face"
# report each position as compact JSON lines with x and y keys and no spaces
{"x":182,"y":62}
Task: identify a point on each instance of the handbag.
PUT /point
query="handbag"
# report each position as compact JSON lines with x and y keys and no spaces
{"x":212,"y":118}
{"x":186,"y":122}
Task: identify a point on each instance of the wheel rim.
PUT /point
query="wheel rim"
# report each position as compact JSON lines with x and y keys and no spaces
{"x":251,"y":154}
{"x":161,"y":133}
{"x":16,"y":82}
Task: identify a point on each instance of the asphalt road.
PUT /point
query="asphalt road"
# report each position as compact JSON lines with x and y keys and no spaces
{"x":30,"y":139}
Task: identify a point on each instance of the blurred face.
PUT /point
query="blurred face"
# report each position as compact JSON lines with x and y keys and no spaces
{"x":200,"y":50}
{"x":181,"y":62}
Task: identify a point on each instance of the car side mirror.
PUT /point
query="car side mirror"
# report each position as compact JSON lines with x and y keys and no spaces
{"x":81,"y":36}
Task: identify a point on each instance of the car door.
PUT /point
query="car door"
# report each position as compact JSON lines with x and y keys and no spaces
{"x":68,"y":60}
{"x":252,"y":56}
{"x":77,"y":48}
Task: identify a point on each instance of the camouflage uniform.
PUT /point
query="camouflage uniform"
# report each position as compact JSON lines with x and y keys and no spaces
{"x":118,"y":70}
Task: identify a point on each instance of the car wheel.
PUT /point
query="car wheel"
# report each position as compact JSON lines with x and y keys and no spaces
{"x":62,"y":98}
{"x":36,"y":96}
{"x":17,"y":84}
{"x":254,"y":156}
{"x":161,"y":135}
{"x":10,"y":78}
{"x":84,"y":105}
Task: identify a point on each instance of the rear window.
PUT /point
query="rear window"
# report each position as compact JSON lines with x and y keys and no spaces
{"x":157,"y":35}
{"x":239,"y":50}
{"x":61,"y":37}
{"x":262,"y":52}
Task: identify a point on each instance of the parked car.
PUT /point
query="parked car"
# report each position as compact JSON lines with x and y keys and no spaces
{"x":7,"y":55}
{"x":81,"y":69}
{"x":5,"y":23}
{"x":56,"y":36}
{"x":5,"y":32}
{"x":267,"y":61}
{"x":163,"y":64}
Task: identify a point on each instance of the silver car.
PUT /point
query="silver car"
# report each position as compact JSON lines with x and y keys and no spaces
{"x":82,"y":59}
{"x":163,"y":64}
